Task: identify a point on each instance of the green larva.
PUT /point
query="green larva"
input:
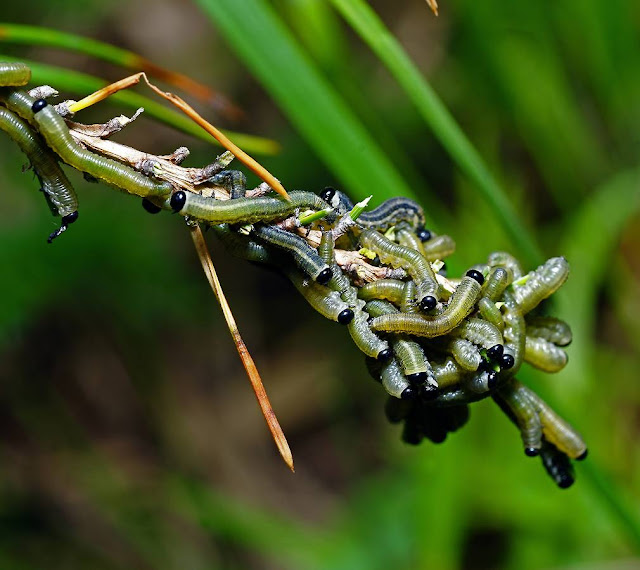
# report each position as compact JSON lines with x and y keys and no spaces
{"x":514,"y":399}
{"x":544,"y":355}
{"x":14,"y":74}
{"x":460,"y":306}
{"x":556,"y":430}
{"x":415,"y":264}
{"x":497,"y":281}
{"x":54,"y":183}
{"x":541,"y":283}
{"x":388,"y":289}
{"x":466,"y":353}
{"x":506,"y":260}
{"x":305,"y":257}
{"x":479,"y":332}
{"x":549,"y":328}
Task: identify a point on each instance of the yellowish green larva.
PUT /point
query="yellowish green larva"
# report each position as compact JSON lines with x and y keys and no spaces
{"x":243,"y":210}
{"x":398,"y":256}
{"x":388,"y":289}
{"x":54,"y":183}
{"x":540,"y":283}
{"x":544,"y":355}
{"x":514,"y":399}
{"x":549,"y":328}
{"x":490,"y":312}
{"x":327,"y":302}
{"x":438,"y":247}
{"x":14,"y":74}
{"x":479,"y":332}
{"x":304,"y":256}
{"x":556,"y":431}
{"x":460,"y":306}
{"x":506,"y":260}
{"x":466,"y":353}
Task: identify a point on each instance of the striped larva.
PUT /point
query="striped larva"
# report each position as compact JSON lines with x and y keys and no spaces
{"x":388,"y":214}
{"x":544,"y":355}
{"x":304,"y":256}
{"x":556,"y":430}
{"x":540,"y":283}
{"x":415,"y":264}
{"x":242,"y":210}
{"x":327,"y":302}
{"x":557,"y":465}
{"x":54,"y":183}
{"x":550,"y":329}
{"x":514,"y":400}
{"x":409,"y":301}
{"x":339,"y":281}
{"x":460,"y":306}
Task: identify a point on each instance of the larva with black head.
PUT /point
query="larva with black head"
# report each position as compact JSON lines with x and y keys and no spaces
{"x":388,"y":289}
{"x":54,"y":183}
{"x":513,"y":399}
{"x":508,"y":261}
{"x":243,"y":210}
{"x":234,"y":181}
{"x":304,"y":256}
{"x":409,"y":353}
{"x":325,"y":301}
{"x":557,"y":465}
{"x":460,"y":305}
{"x":556,"y":430}
{"x":415,"y":264}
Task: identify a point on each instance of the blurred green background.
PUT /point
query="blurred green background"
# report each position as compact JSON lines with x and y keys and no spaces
{"x":129,"y":437}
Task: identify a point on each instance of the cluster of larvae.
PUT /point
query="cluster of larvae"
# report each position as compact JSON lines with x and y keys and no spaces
{"x":436,"y":344}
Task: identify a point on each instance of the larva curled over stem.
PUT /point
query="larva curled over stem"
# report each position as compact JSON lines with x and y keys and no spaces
{"x":54,"y":183}
{"x":460,"y":305}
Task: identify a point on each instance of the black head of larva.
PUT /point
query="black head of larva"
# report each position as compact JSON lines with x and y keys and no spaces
{"x":492,"y":379}
{"x":150,"y":207}
{"x":423,"y":234}
{"x":565,"y":481}
{"x":475,"y":274}
{"x":385,"y":355}
{"x":345,"y":317}
{"x":531,"y":451}
{"x":178,"y":200}
{"x":428,"y":392}
{"x":327,"y":194}
{"x":324,"y":276}
{"x":38,"y":105}
{"x":408,"y":393}
{"x":72,"y":217}
{"x":495,"y":352}
{"x":583,"y":455}
{"x":429,"y":302}
{"x":507,"y":361}
{"x":417,"y":378}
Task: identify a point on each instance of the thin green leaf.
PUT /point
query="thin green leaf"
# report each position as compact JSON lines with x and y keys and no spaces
{"x":367,"y":24}
{"x":271,"y":52}
{"x":75,"y":82}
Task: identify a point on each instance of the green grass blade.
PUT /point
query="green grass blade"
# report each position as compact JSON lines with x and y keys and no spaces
{"x":83,"y":84}
{"x":381,"y":41}
{"x":309,"y":100}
